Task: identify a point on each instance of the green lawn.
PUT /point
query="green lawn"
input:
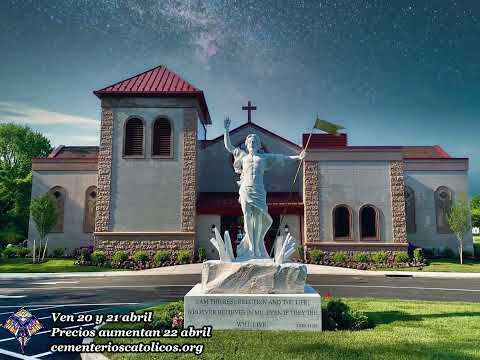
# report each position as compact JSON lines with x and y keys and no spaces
{"x":403,"y":330}
{"x":51,"y":265}
{"x":444,"y":265}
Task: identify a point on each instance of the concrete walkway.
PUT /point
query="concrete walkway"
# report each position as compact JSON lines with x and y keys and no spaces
{"x":192,"y":269}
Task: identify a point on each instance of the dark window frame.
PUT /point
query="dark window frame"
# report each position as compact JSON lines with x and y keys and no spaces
{"x":377,"y":223}
{"x":411,"y":228}
{"x":58,"y":229}
{"x":85,"y":210}
{"x":135,"y":156}
{"x":350,"y":225}
{"x":172,"y":133}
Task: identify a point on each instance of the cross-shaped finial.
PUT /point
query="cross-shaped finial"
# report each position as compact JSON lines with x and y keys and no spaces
{"x":249,"y":108}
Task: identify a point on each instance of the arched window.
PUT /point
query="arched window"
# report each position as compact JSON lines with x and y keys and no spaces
{"x":369,"y":223}
{"x":133,"y":139}
{"x":443,"y":204}
{"x":58,"y":194}
{"x":410,"y":210}
{"x":90,"y":209}
{"x":342,"y":223}
{"x":162,"y":138}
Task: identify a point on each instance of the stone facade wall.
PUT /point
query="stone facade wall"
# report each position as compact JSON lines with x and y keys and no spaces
{"x":397,"y":192}
{"x":359,"y":247}
{"x":104,"y":171}
{"x":151,"y":246}
{"x":189,"y":171}
{"x":311,"y":201}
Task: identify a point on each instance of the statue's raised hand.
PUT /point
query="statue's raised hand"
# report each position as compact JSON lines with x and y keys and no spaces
{"x":226,"y":123}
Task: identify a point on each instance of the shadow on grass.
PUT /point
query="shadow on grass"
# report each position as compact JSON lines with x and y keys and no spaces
{"x":387,"y":317}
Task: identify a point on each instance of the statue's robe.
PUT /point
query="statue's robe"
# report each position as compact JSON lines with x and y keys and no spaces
{"x":252,"y":193}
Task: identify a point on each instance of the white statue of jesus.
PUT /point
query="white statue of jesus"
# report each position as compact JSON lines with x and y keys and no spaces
{"x":251,"y":165}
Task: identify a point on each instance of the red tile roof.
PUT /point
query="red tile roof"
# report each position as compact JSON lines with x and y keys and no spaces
{"x":318,"y":141}
{"x":424,"y":152}
{"x":158,"y":81}
{"x":74,"y":152}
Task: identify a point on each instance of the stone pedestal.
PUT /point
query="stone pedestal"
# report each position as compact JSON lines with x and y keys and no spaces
{"x":254,"y":311}
{"x":256,"y":276}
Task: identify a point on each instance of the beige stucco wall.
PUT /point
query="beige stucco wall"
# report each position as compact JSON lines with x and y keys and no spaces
{"x":75,"y":184}
{"x":354,"y":183}
{"x":146,"y":193}
{"x":216,"y":172}
{"x":424,"y":184}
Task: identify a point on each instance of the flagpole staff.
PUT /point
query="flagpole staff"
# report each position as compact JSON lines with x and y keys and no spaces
{"x":321,"y":125}
{"x":282,"y":216}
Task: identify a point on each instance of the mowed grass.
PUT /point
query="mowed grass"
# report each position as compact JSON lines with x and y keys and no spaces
{"x":25,"y":265}
{"x":444,"y":265}
{"x":403,"y":330}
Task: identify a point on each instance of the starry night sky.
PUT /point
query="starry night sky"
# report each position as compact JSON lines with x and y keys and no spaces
{"x":393,"y":72}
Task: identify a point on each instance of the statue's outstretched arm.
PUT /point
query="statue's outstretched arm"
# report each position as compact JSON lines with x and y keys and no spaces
{"x":226,"y":136}
{"x":301,"y":156}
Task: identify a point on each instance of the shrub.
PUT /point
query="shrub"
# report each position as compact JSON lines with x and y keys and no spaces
{"x":9,"y":252}
{"x":140,"y":257}
{"x":301,"y":253}
{"x":22,"y":251}
{"x":202,"y":254}
{"x":336,"y":315}
{"x":418,"y":255}
{"x":98,"y":257}
{"x":339,"y":257}
{"x":184,"y":256}
{"x":428,"y":253}
{"x":361,"y":257}
{"x":467,"y":254}
{"x":476,"y":250}
{"x":380,"y":257}
{"x":402,"y":257}
{"x":85,"y":256}
{"x":161,"y":256}
{"x":164,"y":318}
{"x":449,"y":253}
{"x":119,"y":257}
{"x":58,"y":252}
{"x":316,"y":256}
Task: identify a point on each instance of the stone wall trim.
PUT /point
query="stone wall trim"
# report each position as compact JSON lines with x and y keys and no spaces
{"x":102,"y":220}
{"x":189,"y":172}
{"x":311,"y":200}
{"x":397,"y":193}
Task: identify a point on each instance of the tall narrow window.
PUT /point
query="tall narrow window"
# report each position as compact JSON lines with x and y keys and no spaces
{"x":58,"y":194}
{"x":162,"y":138}
{"x":369,"y":223}
{"x":443,"y":204}
{"x":410,"y":210}
{"x":133,"y":141}
{"x":90,"y":209}
{"x":342,"y":223}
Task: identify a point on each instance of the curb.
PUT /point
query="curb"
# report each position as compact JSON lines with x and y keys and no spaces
{"x":195,"y":269}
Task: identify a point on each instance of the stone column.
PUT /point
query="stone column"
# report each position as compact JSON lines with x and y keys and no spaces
{"x":189,"y":171}
{"x":104,"y":171}
{"x":397,"y":192}
{"x":311,"y":202}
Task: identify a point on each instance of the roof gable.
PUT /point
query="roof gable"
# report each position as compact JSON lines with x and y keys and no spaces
{"x":256,"y":127}
{"x":159,"y":81}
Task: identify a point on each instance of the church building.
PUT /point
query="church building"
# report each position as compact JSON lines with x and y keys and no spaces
{"x":157,"y":182}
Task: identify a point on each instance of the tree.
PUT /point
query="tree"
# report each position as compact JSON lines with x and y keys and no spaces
{"x":475,"y":205}
{"x":459,"y":222}
{"x":44,"y":214}
{"x":18,"y":145}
